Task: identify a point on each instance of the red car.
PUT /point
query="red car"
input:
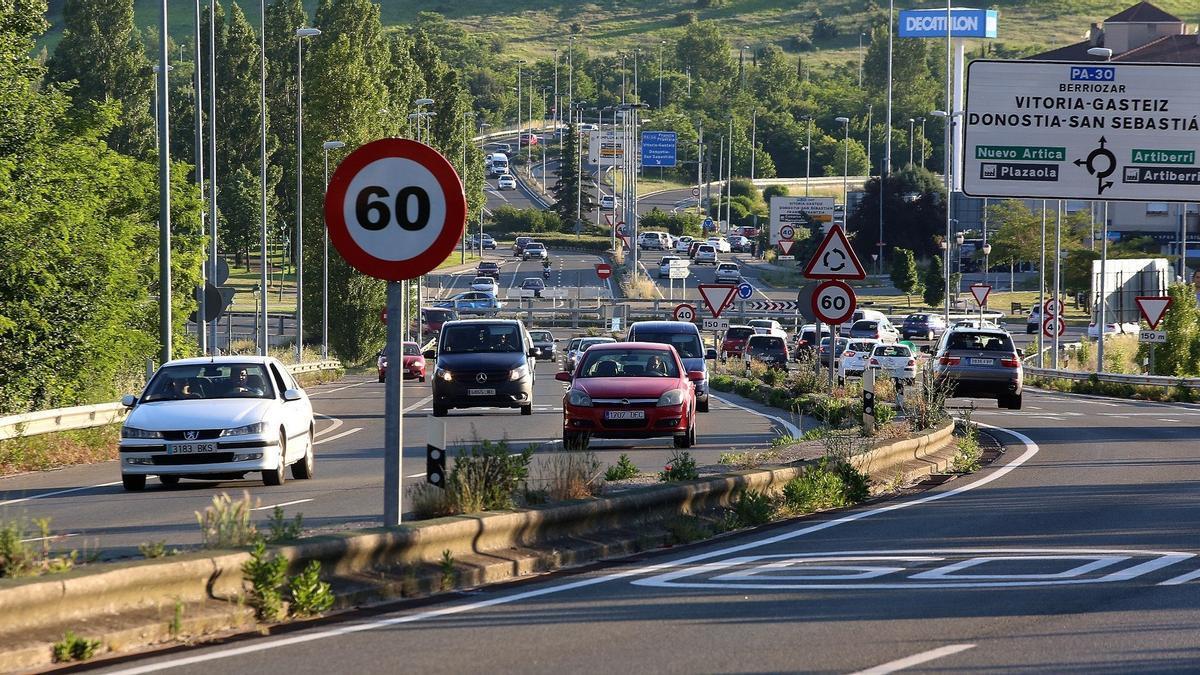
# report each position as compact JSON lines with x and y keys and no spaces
{"x":630,"y":390}
{"x":414,"y":363}
{"x":735,"y":341}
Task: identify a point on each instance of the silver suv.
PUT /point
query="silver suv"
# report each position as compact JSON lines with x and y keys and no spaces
{"x":981,"y":362}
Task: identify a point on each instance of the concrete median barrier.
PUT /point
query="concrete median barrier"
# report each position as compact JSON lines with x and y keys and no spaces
{"x":37,"y":611}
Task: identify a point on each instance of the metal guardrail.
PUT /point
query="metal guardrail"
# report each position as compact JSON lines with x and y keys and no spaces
{"x":1143,"y":380}
{"x":89,"y":416}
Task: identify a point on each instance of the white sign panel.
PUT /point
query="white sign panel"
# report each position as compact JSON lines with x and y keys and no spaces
{"x":792,"y":211}
{"x":1154,"y":337}
{"x":1093,"y":130}
{"x":606,"y":148}
{"x":714,"y":324}
{"x":677,"y":272}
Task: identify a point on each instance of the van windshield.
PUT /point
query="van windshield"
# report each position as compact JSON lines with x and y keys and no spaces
{"x":687,"y":344}
{"x":471,"y":338}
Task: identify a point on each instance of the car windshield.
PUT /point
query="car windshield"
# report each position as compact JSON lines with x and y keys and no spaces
{"x":209,"y":381}
{"x":534,"y":247}
{"x":865,"y":325}
{"x":860,"y":346}
{"x":736,"y":333}
{"x":472,"y":338}
{"x":588,"y":342}
{"x":762,"y":323}
{"x":891,"y":350}
{"x":541,"y":336}
{"x":489,"y":266}
{"x":533,"y":283}
{"x":988,"y":342}
{"x":918,"y":318}
{"x":411,"y":349}
{"x":727,"y":267}
{"x":573,"y":344}
{"x":687,"y":344}
{"x":487,"y":281}
{"x":629,"y":363}
{"x":771,"y":346}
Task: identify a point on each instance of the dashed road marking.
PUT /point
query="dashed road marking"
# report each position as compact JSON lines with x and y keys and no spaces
{"x":338,"y":436}
{"x":915,"y":660}
{"x":281,"y":505}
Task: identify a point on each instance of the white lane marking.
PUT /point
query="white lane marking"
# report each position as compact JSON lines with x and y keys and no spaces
{"x":1031,"y":449}
{"x":58,"y":492}
{"x":416,"y":475}
{"x":341,"y":435}
{"x":331,"y":391}
{"x":792,"y":429}
{"x":1052,"y":418}
{"x":1167,"y":419}
{"x":281,"y":505}
{"x":915,"y":660}
{"x":336,"y":423}
{"x":1181,"y":579}
{"x":418,"y":404}
{"x":50,"y":538}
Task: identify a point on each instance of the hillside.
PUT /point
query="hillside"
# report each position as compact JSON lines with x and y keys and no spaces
{"x":536,"y":27}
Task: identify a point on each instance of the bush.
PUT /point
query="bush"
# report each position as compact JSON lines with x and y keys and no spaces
{"x":226,"y":523}
{"x":266,"y":576}
{"x":685,"y":18}
{"x":774,"y":191}
{"x":310,"y":595}
{"x":743,"y":187}
{"x":20,"y":557}
{"x":485,"y":476}
{"x":508,"y":219}
{"x":802,"y":43}
{"x":754,"y":508}
{"x":570,"y":474}
{"x":681,"y":466}
{"x":824,"y":29}
{"x":623,"y":470}
{"x":827,"y":485}
{"x":74,"y":648}
{"x":884,"y":414}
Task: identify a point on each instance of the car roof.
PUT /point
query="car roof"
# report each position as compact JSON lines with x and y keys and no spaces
{"x":666,"y":326}
{"x":759,"y":337}
{"x":218,"y":360}
{"x":482,"y":322}
{"x":972,"y":329}
{"x":656,"y":346}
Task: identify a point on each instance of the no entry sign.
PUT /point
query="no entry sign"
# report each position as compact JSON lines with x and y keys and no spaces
{"x":603,"y":270}
{"x":395,"y":209}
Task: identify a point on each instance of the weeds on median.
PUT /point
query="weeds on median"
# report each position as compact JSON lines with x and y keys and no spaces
{"x":62,"y":448}
{"x":282,"y":529}
{"x":226,"y":523}
{"x":624,"y":469}
{"x":680,"y":466}
{"x":74,"y":648}
{"x":967,"y":457}
{"x":310,"y":595}
{"x":266,"y":576}
{"x":570,"y":474}
{"x":25,"y":549}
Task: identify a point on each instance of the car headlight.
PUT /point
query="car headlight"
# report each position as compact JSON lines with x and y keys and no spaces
{"x":418,"y":364}
{"x":443,"y":374}
{"x":578,"y":398}
{"x":673,"y":397}
{"x":518,"y":373}
{"x":133,"y":432}
{"x":255,"y":428}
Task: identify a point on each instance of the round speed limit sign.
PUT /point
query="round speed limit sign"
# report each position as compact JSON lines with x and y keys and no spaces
{"x":833,"y":302}
{"x":787,"y":232}
{"x":395,"y":209}
{"x":685,"y":312}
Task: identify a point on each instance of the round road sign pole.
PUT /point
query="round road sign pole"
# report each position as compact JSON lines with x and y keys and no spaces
{"x":393,"y":428}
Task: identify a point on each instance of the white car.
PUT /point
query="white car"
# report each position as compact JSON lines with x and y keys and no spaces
{"x":664,"y":266}
{"x":535,"y":249}
{"x":728,"y":273}
{"x":506,"y":182}
{"x":721,"y":244}
{"x":975,"y":323}
{"x":895,"y":360}
{"x":682,"y":244}
{"x":577,"y":349}
{"x":854,"y":359}
{"x":608,"y":202}
{"x":217,"y":418}
{"x":485,"y":284}
{"x":767,"y":327}
{"x":1111,"y":328}
{"x":705,"y":255}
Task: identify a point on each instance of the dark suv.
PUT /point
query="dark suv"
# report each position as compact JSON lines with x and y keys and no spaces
{"x":483,"y":363}
{"x":519,"y":246}
{"x":981,"y":362}
{"x":488,"y":269}
{"x":922,"y":325}
{"x":685,"y":338}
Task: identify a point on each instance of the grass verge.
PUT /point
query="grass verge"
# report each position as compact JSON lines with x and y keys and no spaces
{"x":63,"y":448}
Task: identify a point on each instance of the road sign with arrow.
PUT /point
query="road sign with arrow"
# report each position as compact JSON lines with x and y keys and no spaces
{"x":834,"y":259}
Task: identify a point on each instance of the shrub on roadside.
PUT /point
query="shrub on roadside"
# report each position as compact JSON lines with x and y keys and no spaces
{"x":826,"y":485}
{"x":680,"y":466}
{"x":754,"y":508}
{"x":485,"y":476}
{"x":624,"y":469}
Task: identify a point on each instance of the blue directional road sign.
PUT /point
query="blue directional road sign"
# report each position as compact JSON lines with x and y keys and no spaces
{"x":658,"y":148}
{"x":709,"y":224}
{"x":745,"y":290}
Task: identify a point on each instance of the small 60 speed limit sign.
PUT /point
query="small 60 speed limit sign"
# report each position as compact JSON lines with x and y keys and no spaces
{"x":833,"y":302}
{"x":395,"y":209}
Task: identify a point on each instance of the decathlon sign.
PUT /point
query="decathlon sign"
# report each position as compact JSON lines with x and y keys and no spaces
{"x":964,"y":23}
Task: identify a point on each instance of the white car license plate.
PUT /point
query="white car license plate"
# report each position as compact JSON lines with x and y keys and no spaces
{"x":983,"y":362}
{"x":625,"y":415}
{"x":191,"y":448}
{"x":481,"y":392}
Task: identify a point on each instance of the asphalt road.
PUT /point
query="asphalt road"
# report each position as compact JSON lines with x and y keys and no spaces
{"x":87,"y":505}
{"x":572,"y":275}
{"x":1074,"y":552}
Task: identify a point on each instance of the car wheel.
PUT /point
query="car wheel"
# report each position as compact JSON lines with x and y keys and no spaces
{"x":421,"y":379}
{"x":440,"y":410}
{"x":684,"y":440}
{"x":692,"y":432}
{"x":303,"y":470}
{"x":702,"y":405}
{"x":1012,"y":402}
{"x":278,"y":475}
{"x":381,"y":378}
{"x":527,"y":409}
{"x":169,"y":481}
{"x":132,"y":482}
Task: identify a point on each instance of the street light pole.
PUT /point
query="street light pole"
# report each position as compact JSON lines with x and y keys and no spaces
{"x":808,"y":154}
{"x":208,"y":269}
{"x":212,"y":156}
{"x":660,"y":72}
{"x":910,"y":141}
{"x":164,"y":196}
{"x":326,"y":146}
{"x":753,"y":139}
{"x":861,"y":57}
{"x":846,"y":162}
{"x":1106,"y":54}
{"x":264,"y":346}
{"x":301,"y":33}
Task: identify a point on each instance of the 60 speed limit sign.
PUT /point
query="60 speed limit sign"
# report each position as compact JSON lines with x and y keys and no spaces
{"x":395,"y":209}
{"x":833,"y":302}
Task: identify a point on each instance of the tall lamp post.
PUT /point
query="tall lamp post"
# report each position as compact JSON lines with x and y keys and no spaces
{"x":660,"y":71}
{"x":949,"y":195}
{"x":845,"y":162}
{"x":326,"y":146}
{"x":418,"y":116}
{"x":808,"y":120}
{"x":910,"y":141}
{"x":921,"y":121}
{"x":162,"y":113}
{"x":301,"y":33}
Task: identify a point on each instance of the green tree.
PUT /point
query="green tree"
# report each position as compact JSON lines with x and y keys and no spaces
{"x":1179,"y":356}
{"x":282,"y":19}
{"x":101,"y":50}
{"x":706,"y":49}
{"x":905,"y":275}
{"x":566,"y":190}
{"x":935,"y":282}
{"x":914,"y":213}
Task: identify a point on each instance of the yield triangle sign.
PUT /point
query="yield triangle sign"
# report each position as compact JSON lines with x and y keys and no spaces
{"x":835,"y":259}
{"x":1153,"y":307}
{"x":717,"y":297}
{"x":980,"y":291}
{"x":785,"y":245}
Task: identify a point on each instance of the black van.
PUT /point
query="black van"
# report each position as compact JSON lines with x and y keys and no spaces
{"x":483,"y":363}
{"x":685,"y":338}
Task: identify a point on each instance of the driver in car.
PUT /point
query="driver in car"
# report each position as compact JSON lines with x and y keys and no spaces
{"x":656,"y":367}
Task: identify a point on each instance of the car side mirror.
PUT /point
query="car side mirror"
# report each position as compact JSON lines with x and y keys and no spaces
{"x":1020,"y":353}
{"x":429,"y":354}
{"x":925,"y":349}
{"x":710,"y":354}
{"x":293,"y":395}
{"x":696,"y":375}
{"x":563,"y":376}
{"x":128,"y":400}
{"x":532,"y":353}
